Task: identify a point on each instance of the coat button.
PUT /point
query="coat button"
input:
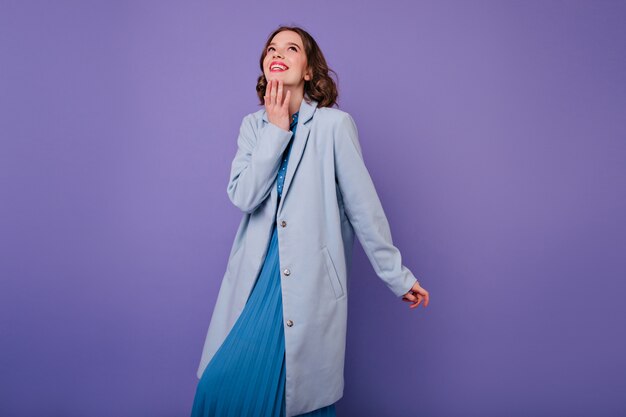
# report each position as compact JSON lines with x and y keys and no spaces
{"x":283,"y":223}
{"x":286,"y":271}
{"x":289,"y":323}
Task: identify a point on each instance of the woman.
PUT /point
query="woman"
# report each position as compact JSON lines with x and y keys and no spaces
{"x":276,"y":340}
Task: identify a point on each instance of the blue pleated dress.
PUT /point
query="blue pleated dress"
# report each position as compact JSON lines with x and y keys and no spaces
{"x":246,"y":376}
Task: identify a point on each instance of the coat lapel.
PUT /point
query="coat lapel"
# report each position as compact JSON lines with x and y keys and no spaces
{"x":307,"y":109}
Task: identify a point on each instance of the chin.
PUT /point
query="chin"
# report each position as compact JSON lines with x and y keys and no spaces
{"x":277,"y":76}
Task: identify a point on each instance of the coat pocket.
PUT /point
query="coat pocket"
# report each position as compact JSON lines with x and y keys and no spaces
{"x":332,"y":273}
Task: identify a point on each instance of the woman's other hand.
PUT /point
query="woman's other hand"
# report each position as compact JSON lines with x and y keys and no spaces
{"x":416,"y":295}
{"x":276,"y":106}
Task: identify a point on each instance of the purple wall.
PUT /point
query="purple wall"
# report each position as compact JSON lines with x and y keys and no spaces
{"x":495,"y":133}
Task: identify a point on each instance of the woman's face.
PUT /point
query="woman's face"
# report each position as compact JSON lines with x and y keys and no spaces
{"x":286,"y":60}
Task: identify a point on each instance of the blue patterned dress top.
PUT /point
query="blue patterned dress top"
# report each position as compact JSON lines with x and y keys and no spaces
{"x":246,"y":376}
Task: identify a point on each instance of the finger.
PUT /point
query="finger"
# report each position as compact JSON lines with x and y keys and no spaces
{"x":424,"y":294}
{"x":419,"y":300}
{"x":286,"y":102}
{"x":410,"y":298}
{"x":279,"y":93}
{"x":273,"y":94}
{"x":405,"y":298}
{"x":268,"y":91}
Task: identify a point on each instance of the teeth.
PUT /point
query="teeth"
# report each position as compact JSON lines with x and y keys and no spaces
{"x":279,"y":67}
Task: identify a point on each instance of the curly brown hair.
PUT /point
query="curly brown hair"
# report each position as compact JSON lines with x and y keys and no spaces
{"x":321,"y":88}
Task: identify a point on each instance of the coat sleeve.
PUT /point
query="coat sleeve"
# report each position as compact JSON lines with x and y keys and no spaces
{"x":256,"y":163}
{"x":365,"y":211}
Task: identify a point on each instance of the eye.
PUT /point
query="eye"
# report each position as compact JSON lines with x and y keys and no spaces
{"x":291,"y":47}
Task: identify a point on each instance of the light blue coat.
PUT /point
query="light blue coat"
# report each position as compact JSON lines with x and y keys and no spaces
{"x":328,"y":195}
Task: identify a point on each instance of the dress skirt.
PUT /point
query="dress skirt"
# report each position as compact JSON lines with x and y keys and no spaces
{"x":246,"y":376}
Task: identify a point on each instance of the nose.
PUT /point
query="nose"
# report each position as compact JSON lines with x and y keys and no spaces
{"x":276,"y":53}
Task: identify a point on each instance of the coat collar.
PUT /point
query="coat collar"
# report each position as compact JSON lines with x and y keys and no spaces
{"x":306,"y":112}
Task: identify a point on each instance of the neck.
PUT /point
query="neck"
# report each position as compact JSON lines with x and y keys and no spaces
{"x":297,"y":95}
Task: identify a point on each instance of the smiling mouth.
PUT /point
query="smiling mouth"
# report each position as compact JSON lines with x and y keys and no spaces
{"x":278,"y":68}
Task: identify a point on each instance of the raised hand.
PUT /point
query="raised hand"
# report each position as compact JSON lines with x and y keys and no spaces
{"x":276,"y":107}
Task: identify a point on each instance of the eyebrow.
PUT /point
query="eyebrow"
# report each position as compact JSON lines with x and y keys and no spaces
{"x":288,"y":43}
